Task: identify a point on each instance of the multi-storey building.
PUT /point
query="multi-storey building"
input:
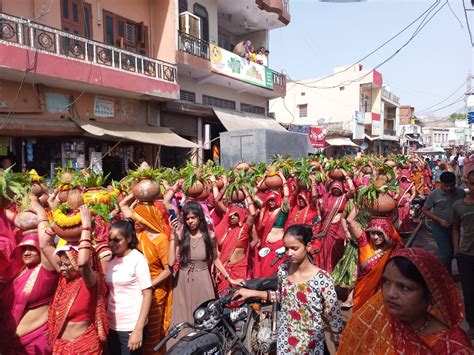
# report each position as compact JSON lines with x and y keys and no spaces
{"x":219,"y":89}
{"x":351,"y":100}
{"x":81,"y":80}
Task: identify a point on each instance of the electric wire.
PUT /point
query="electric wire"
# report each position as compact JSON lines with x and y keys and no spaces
{"x":429,"y":9}
{"x":467,"y":23}
{"x":445,"y":99}
{"x":428,"y":17}
{"x":459,"y":99}
{"x":454,"y":14}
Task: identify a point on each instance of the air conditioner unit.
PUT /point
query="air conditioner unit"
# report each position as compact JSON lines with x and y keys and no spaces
{"x":190,"y":24}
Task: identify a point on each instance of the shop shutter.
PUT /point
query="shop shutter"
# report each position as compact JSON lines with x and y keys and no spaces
{"x":181,"y":124}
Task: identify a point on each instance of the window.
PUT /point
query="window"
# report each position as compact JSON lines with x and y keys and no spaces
{"x":217,"y":102}
{"x":183,"y":6}
{"x":252,"y":109}
{"x":341,"y":88}
{"x":124,"y":33}
{"x":364,"y":104}
{"x":303,"y":94}
{"x":201,"y":12}
{"x":303,"y":110}
{"x":187,"y":96}
{"x":76,"y":17}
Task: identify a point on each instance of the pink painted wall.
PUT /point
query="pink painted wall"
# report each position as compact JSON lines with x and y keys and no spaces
{"x":158,"y":16}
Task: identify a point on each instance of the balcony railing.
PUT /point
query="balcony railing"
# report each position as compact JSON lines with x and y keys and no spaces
{"x":22,"y":33}
{"x":286,"y":5}
{"x":389,"y":132}
{"x":278,"y":78}
{"x":193,"y":45}
{"x":387,"y":94}
{"x":200,"y":48}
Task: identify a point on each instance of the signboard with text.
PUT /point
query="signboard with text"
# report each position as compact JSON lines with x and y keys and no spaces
{"x":376,"y":125}
{"x":470,"y":117}
{"x":103,"y":107}
{"x":317,"y":137}
{"x":234,"y":66}
{"x":359,"y":125}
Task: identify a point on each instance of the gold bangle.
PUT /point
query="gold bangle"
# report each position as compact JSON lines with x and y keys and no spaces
{"x":86,"y":247}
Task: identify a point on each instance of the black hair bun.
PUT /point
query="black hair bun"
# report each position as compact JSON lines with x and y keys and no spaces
{"x":131,"y":221}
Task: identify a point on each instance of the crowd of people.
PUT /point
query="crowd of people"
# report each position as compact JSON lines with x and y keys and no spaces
{"x":87,"y":269}
{"x":246,"y":50}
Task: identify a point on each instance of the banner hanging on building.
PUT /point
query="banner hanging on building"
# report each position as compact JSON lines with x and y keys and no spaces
{"x":234,"y":66}
{"x":376,"y":125}
{"x":317,"y":137}
{"x":359,"y":125}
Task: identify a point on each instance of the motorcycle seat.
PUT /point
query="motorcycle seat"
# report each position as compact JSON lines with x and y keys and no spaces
{"x":263,"y":284}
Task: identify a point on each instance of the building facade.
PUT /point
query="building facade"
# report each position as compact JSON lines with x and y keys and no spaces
{"x":79,"y":78}
{"x":127,"y":81}
{"x":220,"y":90}
{"x":351,"y":101}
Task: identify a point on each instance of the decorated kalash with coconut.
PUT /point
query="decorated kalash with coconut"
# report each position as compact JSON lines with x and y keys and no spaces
{"x":269,"y":197}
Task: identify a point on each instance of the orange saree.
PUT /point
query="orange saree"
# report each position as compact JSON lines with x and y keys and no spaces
{"x":372,"y":330}
{"x":156,"y":252}
{"x":372,"y":262}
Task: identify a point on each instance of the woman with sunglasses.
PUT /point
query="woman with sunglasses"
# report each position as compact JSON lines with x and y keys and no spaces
{"x":77,"y":322}
{"x":130,"y":294}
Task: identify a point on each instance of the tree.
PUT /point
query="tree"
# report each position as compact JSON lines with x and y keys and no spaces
{"x":456,"y":116}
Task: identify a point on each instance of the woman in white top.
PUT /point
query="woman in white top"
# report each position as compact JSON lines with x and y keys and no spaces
{"x":129,"y":282}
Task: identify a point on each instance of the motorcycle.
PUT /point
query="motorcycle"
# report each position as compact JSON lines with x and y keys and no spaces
{"x":219,"y":328}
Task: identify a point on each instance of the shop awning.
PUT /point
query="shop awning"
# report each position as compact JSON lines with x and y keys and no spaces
{"x":234,"y":121}
{"x":151,"y":135}
{"x":341,"y":141}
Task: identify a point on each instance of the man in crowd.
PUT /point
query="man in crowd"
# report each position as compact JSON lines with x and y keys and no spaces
{"x":439,"y":209}
{"x":463,"y":244}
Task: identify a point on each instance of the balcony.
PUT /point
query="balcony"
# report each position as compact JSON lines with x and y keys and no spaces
{"x":195,"y":54}
{"x":155,"y":75}
{"x":390,"y":96}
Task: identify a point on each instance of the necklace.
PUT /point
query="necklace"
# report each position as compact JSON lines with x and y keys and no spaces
{"x":423,"y":327}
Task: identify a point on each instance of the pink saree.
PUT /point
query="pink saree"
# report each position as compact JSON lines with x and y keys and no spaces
{"x":31,"y":288}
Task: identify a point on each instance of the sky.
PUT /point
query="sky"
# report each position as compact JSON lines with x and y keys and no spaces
{"x":322,"y":36}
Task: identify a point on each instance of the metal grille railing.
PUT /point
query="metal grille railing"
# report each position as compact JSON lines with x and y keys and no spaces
{"x":23,"y":33}
{"x":193,"y":45}
{"x":279,"y":79}
{"x":387,"y":94}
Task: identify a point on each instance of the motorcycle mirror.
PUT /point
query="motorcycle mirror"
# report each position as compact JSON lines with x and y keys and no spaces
{"x":280,"y":250}
{"x":264,"y":252}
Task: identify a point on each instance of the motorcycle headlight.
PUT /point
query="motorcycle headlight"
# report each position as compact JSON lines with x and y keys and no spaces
{"x":199,"y":315}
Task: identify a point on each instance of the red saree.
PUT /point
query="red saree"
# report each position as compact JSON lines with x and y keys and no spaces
{"x":372,"y":330}
{"x":301,"y":215}
{"x":64,"y":298}
{"x":30,"y":288}
{"x":264,"y":226}
{"x":332,"y":243}
{"x":405,"y":225}
{"x":229,"y":238}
